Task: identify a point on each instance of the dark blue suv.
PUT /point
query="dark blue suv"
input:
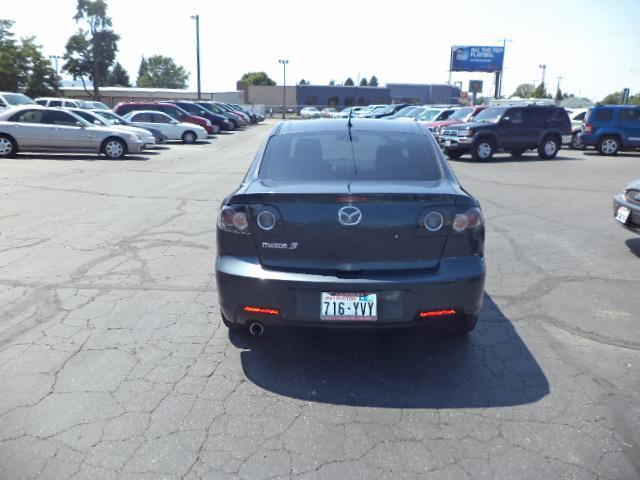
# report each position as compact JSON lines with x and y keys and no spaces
{"x":611,"y":128}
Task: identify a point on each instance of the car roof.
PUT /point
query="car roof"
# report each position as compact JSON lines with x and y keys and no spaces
{"x":135,"y":112}
{"x":340,"y":124}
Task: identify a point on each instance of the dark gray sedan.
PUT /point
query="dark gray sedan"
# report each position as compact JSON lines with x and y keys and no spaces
{"x":354,"y":226}
{"x":626,"y":207}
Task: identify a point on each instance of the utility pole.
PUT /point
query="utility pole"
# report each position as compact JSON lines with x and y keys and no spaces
{"x":558,"y":87}
{"x":284,"y":62}
{"x":197,"y":19}
{"x":500,"y":79}
{"x":544,"y":70}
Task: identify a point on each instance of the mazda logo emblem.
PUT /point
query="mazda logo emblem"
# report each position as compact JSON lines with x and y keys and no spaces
{"x":349,"y":215}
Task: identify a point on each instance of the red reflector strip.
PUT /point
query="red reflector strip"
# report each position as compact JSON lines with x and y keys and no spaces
{"x":437,"y":313}
{"x":268,"y":311}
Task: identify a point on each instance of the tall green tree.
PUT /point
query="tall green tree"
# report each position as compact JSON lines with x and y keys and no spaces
{"x":614,"y":98}
{"x":257,"y":78}
{"x":524,"y":90}
{"x":40,"y":78}
{"x":162,"y":72}
{"x":373,"y":82}
{"x":23,"y":67}
{"x":332,"y":83}
{"x":349,"y":82}
{"x":303,"y":82}
{"x":118,"y":77}
{"x":90,"y":52}
{"x":559,"y":97}
{"x":363,"y":82}
{"x":540,"y":92}
{"x":10,"y":72}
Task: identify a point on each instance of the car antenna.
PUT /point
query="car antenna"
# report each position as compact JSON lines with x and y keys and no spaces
{"x":355,"y":100}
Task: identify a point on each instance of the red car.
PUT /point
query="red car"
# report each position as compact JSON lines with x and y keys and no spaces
{"x":169,"y":108}
{"x":464,"y":114}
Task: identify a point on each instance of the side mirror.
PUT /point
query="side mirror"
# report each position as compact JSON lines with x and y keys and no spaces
{"x":79,"y":124}
{"x":175,"y":122}
{"x":505,"y":120}
{"x":97,"y":122}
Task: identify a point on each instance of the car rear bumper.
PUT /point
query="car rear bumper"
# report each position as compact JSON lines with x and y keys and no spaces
{"x":589,"y":140}
{"x":633,"y":222}
{"x":458,"y":284}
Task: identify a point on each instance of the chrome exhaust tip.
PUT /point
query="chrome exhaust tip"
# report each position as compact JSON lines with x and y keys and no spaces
{"x":256,"y":329}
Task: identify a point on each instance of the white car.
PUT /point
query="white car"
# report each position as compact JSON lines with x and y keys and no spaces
{"x":576,"y":115}
{"x":62,"y":102}
{"x":9,"y":100}
{"x":310,"y":112}
{"x":33,"y":128}
{"x":96,"y":119}
{"x":174,"y":130}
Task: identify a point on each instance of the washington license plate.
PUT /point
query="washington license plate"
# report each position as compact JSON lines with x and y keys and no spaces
{"x":623,"y":214}
{"x":362,"y":307}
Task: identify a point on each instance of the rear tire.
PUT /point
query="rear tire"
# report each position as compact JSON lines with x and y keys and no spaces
{"x":114,"y":148}
{"x":189,"y":137}
{"x":517,"y":152}
{"x":548,"y":148}
{"x":608,"y":145}
{"x":8,"y":146}
{"x":483,"y":150}
{"x":454,"y":154}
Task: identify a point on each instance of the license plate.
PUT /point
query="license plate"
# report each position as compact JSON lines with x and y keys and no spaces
{"x":362,"y":307}
{"x":623,"y":214}
{"x":447,"y":143}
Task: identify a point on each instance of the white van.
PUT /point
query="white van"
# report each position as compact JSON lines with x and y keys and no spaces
{"x":62,"y":102}
{"x":10,"y":99}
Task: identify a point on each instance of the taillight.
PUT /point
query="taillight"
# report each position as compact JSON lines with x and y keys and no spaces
{"x":245,"y":218}
{"x":433,"y":221}
{"x":588,"y":128}
{"x":468,"y":220}
{"x":234,"y":218}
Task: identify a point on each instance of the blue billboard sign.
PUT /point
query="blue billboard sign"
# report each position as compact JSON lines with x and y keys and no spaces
{"x":476,"y":59}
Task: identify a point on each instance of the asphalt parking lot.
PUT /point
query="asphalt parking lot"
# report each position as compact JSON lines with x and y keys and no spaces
{"x":114,"y":363}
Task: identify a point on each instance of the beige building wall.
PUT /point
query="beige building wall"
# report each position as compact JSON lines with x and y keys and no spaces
{"x":266,"y":95}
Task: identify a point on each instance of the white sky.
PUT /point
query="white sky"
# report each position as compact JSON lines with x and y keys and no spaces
{"x":593,"y":44}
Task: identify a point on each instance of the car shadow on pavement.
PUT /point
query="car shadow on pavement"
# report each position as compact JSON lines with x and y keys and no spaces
{"x":82,"y":157}
{"x":634,"y":246}
{"x":409,"y":368}
{"x":630,"y":154}
{"x":525,"y":157}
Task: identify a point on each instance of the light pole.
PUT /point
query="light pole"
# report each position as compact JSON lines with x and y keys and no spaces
{"x":500,"y":81}
{"x":543,"y":67}
{"x":284,"y":85}
{"x":197,"y":19}
{"x":55,"y":59}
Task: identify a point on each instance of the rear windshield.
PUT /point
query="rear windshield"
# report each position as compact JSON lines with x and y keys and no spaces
{"x":332,"y":156}
{"x":17,"y":99}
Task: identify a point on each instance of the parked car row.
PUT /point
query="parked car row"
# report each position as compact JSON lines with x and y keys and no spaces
{"x":68,"y":125}
{"x":484,"y":130}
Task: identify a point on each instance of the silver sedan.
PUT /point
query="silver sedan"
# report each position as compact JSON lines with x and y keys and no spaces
{"x":34,"y":128}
